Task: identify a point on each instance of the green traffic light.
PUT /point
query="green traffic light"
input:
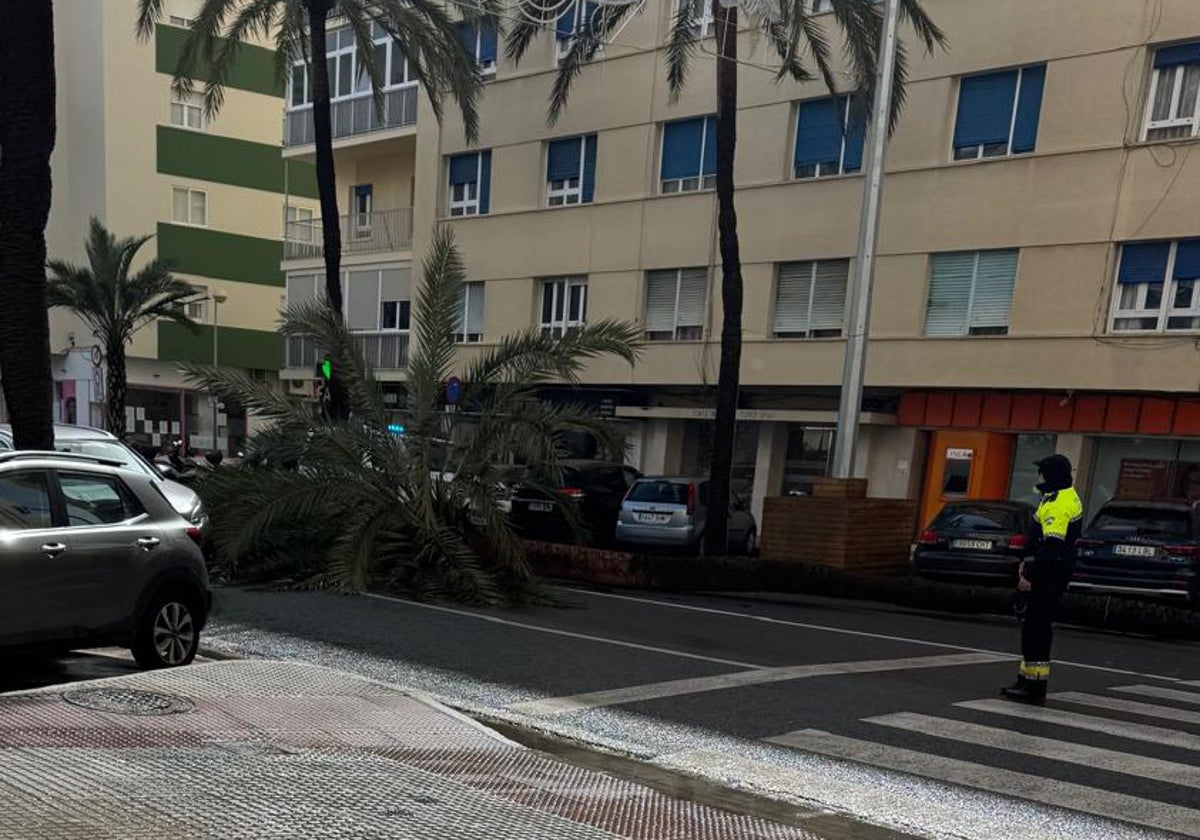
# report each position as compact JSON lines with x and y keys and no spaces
{"x":327,"y":370}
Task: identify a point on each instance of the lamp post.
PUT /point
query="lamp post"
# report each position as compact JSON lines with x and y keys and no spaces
{"x":218,"y":297}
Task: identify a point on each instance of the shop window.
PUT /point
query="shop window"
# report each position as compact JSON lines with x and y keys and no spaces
{"x":809,"y":452}
{"x":1022,"y":486}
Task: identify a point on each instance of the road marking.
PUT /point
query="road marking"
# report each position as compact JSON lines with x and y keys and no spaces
{"x":568,"y":633}
{"x":1076,"y":797}
{"x":1105,"y":726}
{"x":1170,"y":772}
{"x":863,"y":633}
{"x":674,"y":688}
{"x":1162,"y":693}
{"x":1116,"y":704}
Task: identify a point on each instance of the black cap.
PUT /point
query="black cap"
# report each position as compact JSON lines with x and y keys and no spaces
{"x":1056,"y":473}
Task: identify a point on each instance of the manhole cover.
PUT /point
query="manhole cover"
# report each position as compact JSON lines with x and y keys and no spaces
{"x":124,"y":701}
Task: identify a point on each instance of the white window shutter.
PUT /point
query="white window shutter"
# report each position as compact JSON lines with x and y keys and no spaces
{"x":693,"y":297}
{"x":950,"y":278}
{"x":793,"y":294}
{"x":829,"y":296}
{"x":660,"y":301}
{"x":994,"y":281}
{"x":474,"y":308}
{"x":362,"y":304}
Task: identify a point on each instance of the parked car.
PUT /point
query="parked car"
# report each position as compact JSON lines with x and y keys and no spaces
{"x":593,"y":488}
{"x":92,"y":553}
{"x":672,"y":512}
{"x":980,"y":541}
{"x":1147,"y":548}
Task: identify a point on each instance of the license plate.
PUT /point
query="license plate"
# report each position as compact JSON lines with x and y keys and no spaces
{"x":653,"y":518}
{"x":972,"y":545}
{"x":541,"y":507}
{"x":1135,"y":550}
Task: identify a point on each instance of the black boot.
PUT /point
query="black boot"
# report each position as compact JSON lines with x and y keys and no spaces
{"x":1019,"y":685}
{"x":1027,"y":691}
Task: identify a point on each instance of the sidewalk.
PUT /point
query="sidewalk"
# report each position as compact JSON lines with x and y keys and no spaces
{"x":262,"y":749}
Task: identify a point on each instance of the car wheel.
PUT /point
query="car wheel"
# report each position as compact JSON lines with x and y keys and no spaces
{"x":168,"y":630}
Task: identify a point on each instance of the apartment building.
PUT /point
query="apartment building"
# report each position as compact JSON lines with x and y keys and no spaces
{"x":1039,"y":251}
{"x":211,"y":191}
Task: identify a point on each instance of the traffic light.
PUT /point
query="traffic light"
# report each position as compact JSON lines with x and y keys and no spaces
{"x":325,"y":370}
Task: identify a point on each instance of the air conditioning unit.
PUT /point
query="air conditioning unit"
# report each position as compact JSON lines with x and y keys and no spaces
{"x":300,"y":387}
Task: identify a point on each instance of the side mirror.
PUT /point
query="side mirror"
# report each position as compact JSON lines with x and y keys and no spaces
{"x":166,"y":470}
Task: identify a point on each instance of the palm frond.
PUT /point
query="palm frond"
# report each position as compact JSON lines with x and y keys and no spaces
{"x":681,"y":46}
{"x":586,"y":43}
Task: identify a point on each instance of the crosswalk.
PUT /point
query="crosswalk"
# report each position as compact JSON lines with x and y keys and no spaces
{"x":1065,"y":729}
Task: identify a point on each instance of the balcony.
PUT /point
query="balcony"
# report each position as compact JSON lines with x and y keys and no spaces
{"x":386,"y":350}
{"x":362,"y":233}
{"x":354,"y":115}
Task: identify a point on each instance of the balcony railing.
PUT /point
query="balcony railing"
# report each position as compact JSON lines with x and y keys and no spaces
{"x":362,"y":233}
{"x":354,"y":115}
{"x":381,"y":350}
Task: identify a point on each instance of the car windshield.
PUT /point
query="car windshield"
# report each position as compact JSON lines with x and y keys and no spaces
{"x":1144,"y":521}
{"x":978,"y":518}
{"x":108,"y":449}
{"x":662,"y":492}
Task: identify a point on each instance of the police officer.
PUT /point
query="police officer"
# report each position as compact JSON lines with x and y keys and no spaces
{"x":1044,"y":579}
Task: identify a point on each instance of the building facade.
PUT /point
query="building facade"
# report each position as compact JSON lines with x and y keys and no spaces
{"x":211,"y":191}
{"x":1035,"y":286}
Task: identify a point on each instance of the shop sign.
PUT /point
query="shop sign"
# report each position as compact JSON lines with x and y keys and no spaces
{"x":960,"y":454}
{"x":1142,"y":478}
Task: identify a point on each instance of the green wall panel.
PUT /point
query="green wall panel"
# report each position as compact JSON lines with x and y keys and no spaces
{"x":228,"y":160}
{"x":226,"y":256}
{"x":235,"y":347}
{"x":253,"y":70}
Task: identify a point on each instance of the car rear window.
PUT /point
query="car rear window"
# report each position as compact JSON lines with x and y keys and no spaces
{"x":1144,"y":521}
{"x":979,"y":518}
{"x":662,"y":492}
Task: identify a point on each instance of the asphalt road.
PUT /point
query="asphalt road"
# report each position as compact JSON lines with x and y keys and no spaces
{"x":28,"y":672}
{"x":889,"y":715}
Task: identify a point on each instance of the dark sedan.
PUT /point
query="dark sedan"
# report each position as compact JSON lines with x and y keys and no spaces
{"x":1141,"y":548}
{"x":979,"y":541}
{"x":593,"y":490}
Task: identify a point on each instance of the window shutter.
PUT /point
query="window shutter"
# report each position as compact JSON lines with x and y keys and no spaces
{"x":464,"y":169}
{"x":474,"y":308}
{"x":487,"y":41}
{"x":1179,"y":54}
{"x":1143,"y":262}
{"x":709,"y":164}
{"x":396,"y":284}
{"x":1187,"y":260}
{"x":819,"y":131}
{"x":950,"y":278}
{"x":793,"y":293}
{"x":1029,"y":109}
{"x":362,"y":302}
{"x":565,"y":26}
{"x":995,"y":277}
{"x":660,"y":301}
{"x":856,"y":137}
{"x":985,"y":105}
{"x":829,"y":296}
{"x":563,"y":158}
{"x":693,"y":295}
{"x":681,"y":148}
{"x":301,"y":288}
{"x":466,"y":36}
{"x":589,"y":167}
{"x":485,"y":181}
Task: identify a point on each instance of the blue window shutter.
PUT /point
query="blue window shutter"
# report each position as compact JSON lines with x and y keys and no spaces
{"x":485,"y":181}
{"x":1029,"y":109}
{"x":985,"y":106}
{"x":589,"y":167}
{"x":856,"y":138}
{"x":562,"y":159}
{"x":565,"y":27}
{"x":710,"y":146}
{"x":1180,"y":54}
{"x":464,"y":169}
{"x":1143,"y":262}
{"x":1187,"y":260}
{"x":466,"y":36}
{"x":487,"y":41}
{"x":681,"y":148}
{"x":819,"y":131}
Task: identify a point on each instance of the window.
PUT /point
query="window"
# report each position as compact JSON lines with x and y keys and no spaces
{"x":374,"y":298}
{"x":395,"y":315}
{"x":1171,"y":110}
{"x":676,"y":301}
{"x":189,"y":207}
{"x":702,"y":18}
{"x":689,"y":155}
{"x":180,"y":21}
{"x":564,"y":304}
{"x":573,"y":20}
{"x":362,"y":199}
{"x":1157,"y":287}
{"x":970,"y":293}
{"x":188,"y":111}
{"x":97,"y":500}
{"x":571,"y":171}
{"x":478,"y":38}
{"x":470,"y":183}
{"x":829,"y":138}
{"x":299,"y":225}
{"x":810,"y":299}
{"x":998,"y":113}
{"x":817,"y":7}
{"x":195,"y":308}
{"x":468,"y":328}
{"x":24,"y":501}
{"x":348,"y":75}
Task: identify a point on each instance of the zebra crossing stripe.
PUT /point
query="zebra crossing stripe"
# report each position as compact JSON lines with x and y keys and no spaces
{"x":1129,"y":764}
{"x":1132,"y":707}
{"x":1162,"y":693}
{"x":1074,"y":720}
{"x":1076,"y":797}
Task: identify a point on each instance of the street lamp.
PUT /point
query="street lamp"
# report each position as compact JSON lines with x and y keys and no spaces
{"x":218,"y":297}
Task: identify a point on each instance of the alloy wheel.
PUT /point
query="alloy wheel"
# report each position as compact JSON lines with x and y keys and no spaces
{"x":174,"y":633}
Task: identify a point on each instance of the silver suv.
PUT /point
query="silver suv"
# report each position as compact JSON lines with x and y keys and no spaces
{"x":93,"y":554}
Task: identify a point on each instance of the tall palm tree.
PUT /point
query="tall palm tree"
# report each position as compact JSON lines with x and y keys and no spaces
{"x":27,"y":128}
{"x":116,"y":301}
{"x":418,"y":511}
{"x":298,"y":27}
{"x":790,"y":28}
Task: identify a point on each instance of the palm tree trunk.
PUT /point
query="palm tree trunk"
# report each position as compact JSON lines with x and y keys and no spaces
{"x":27,"y":129}
{"x":114,"y":411}
{"x":725,"y":424}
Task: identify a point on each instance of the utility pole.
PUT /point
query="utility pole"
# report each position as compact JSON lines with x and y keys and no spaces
{"x":217,"y":299}
{"x":868,"y":238}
